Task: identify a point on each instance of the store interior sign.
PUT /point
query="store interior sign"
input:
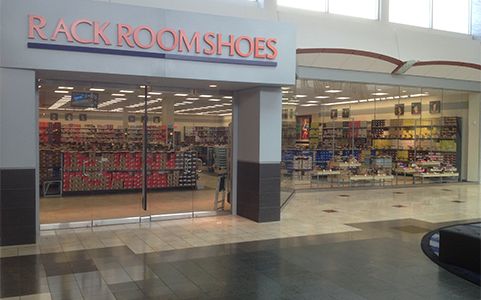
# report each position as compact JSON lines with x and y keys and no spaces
{"x":84,"y":35}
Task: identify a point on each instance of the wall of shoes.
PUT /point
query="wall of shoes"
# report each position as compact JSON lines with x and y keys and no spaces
{"x":108,"y":158}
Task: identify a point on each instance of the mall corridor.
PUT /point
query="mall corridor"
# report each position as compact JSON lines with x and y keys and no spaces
{"x":362,"y":244}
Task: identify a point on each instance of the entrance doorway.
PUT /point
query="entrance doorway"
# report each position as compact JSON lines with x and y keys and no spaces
{"x":116,"y":153}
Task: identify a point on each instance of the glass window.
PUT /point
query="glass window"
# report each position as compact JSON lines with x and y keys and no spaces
{"x":451,"y":15}
{"x":410,"y":12}
{"x":314,"y":5}
{"x":356,"y":8}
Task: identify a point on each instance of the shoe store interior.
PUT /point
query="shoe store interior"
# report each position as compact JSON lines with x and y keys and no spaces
{"x":342,"y":135}
{"x":334,"y":135}
{"x":91,"y":150}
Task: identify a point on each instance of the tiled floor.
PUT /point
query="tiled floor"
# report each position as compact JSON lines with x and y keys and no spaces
{"x":367,"y":249}
{"x":82,"y":208}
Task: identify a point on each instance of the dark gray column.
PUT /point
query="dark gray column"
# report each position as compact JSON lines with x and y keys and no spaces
{"x":18,"y":157}
{"x":257,"y":114}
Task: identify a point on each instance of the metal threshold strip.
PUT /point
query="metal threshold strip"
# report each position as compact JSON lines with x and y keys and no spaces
{"x":131,"y":220}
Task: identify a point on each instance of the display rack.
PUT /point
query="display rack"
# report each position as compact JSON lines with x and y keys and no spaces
{"x":121,"y":171}
{"x":384,"y":146}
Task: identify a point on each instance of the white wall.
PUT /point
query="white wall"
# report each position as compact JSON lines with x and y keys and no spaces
{"x":18,"y":119}
{"x":320,"y":30}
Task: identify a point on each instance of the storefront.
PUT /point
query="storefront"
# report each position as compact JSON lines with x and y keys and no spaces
{"x":347,"y":134}
{"x":79,"y":79}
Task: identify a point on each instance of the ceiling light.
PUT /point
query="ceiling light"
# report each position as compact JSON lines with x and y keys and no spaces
{"x":301,"y":96}
{"x":181,"y":95}
{"x":285,"y":92}
{"x":212,"y":85}
{"x":142,"y":86}
{"x":343,"y":98}
{"x":39,"y":86}
{"x":143,"y":96}
{"x":65,"y":87}
{"x":126,"y":91}
{"x":214,"y":100}
{"x":313,"y":101}
{"x":61,"y":92}
{"x":227,"y":97}
{"x":378,"y":90}
{"x":187,"y":102}
{"x":155,"y":93}
{"x":97,"y":90}
{"x":364,"y":100}
{"x":285,"y":88}
{"x":120,"y":99}
{"x":403,"y":91}
{"x":380,"y":94}
{"x":205,"y":96}
{"x":306,"y":105}
{"x":340,"y":103}
{"x":192,"y":98}
{"x":333,"y":91}
{"x":118,"y":95}
{"x":327,"y":86}
{"x":322,"y":97}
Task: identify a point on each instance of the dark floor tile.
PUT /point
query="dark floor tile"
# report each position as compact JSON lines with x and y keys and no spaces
{"x":56,"y":269}
{"x":83,"y":266}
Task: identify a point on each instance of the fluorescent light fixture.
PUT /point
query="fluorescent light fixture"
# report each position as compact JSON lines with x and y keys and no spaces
{"x":118,"y":95}
{"x":227,"y":97}
{"x":333,"y":91}
{"x":181,"y":95}
{"x":419,"y":95}
{"x":155,"y":93}
{"x":39,"y":86}
{"x":61,"y":92}
{"x":340,"y":103}
{"x":65,"y":87}
{"x":143,"y":96}
{"x":192,"y":98}
{"x":142,"y":86}
{"x":205,"y":96}
{"x":343,"y":98}
{"x":301,"y":96}
{"x":214,"y":100}
{"x":120,"y":99}
{"x":212,"y":85}
{"x":285,"y":92}
{"x":127,"y":91}
{"x":307,"y":105}
{"x":321,"y":97}
{"x":364,"y":100}
{"x":380,"y":94}
{"x":227,"y":104}
{"x":97,"y":90}
{"x":312,"y":101}
{"x":285,"y":88}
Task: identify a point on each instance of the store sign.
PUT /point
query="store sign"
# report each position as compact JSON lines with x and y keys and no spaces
{"x":84,"y":35}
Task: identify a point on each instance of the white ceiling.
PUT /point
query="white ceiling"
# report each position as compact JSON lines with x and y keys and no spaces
{"x":361,"y":62}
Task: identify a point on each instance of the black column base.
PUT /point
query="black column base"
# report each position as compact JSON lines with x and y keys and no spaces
{"x":259,"y":191}
{"x":17,"y":207}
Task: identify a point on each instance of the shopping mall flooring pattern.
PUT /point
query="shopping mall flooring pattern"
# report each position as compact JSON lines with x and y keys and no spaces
{"x":329,"y":245}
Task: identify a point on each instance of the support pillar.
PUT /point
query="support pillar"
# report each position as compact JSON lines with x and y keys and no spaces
{"x":18,"y":157}
{"x":474,"y":138}
{"x":257,"y":139}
